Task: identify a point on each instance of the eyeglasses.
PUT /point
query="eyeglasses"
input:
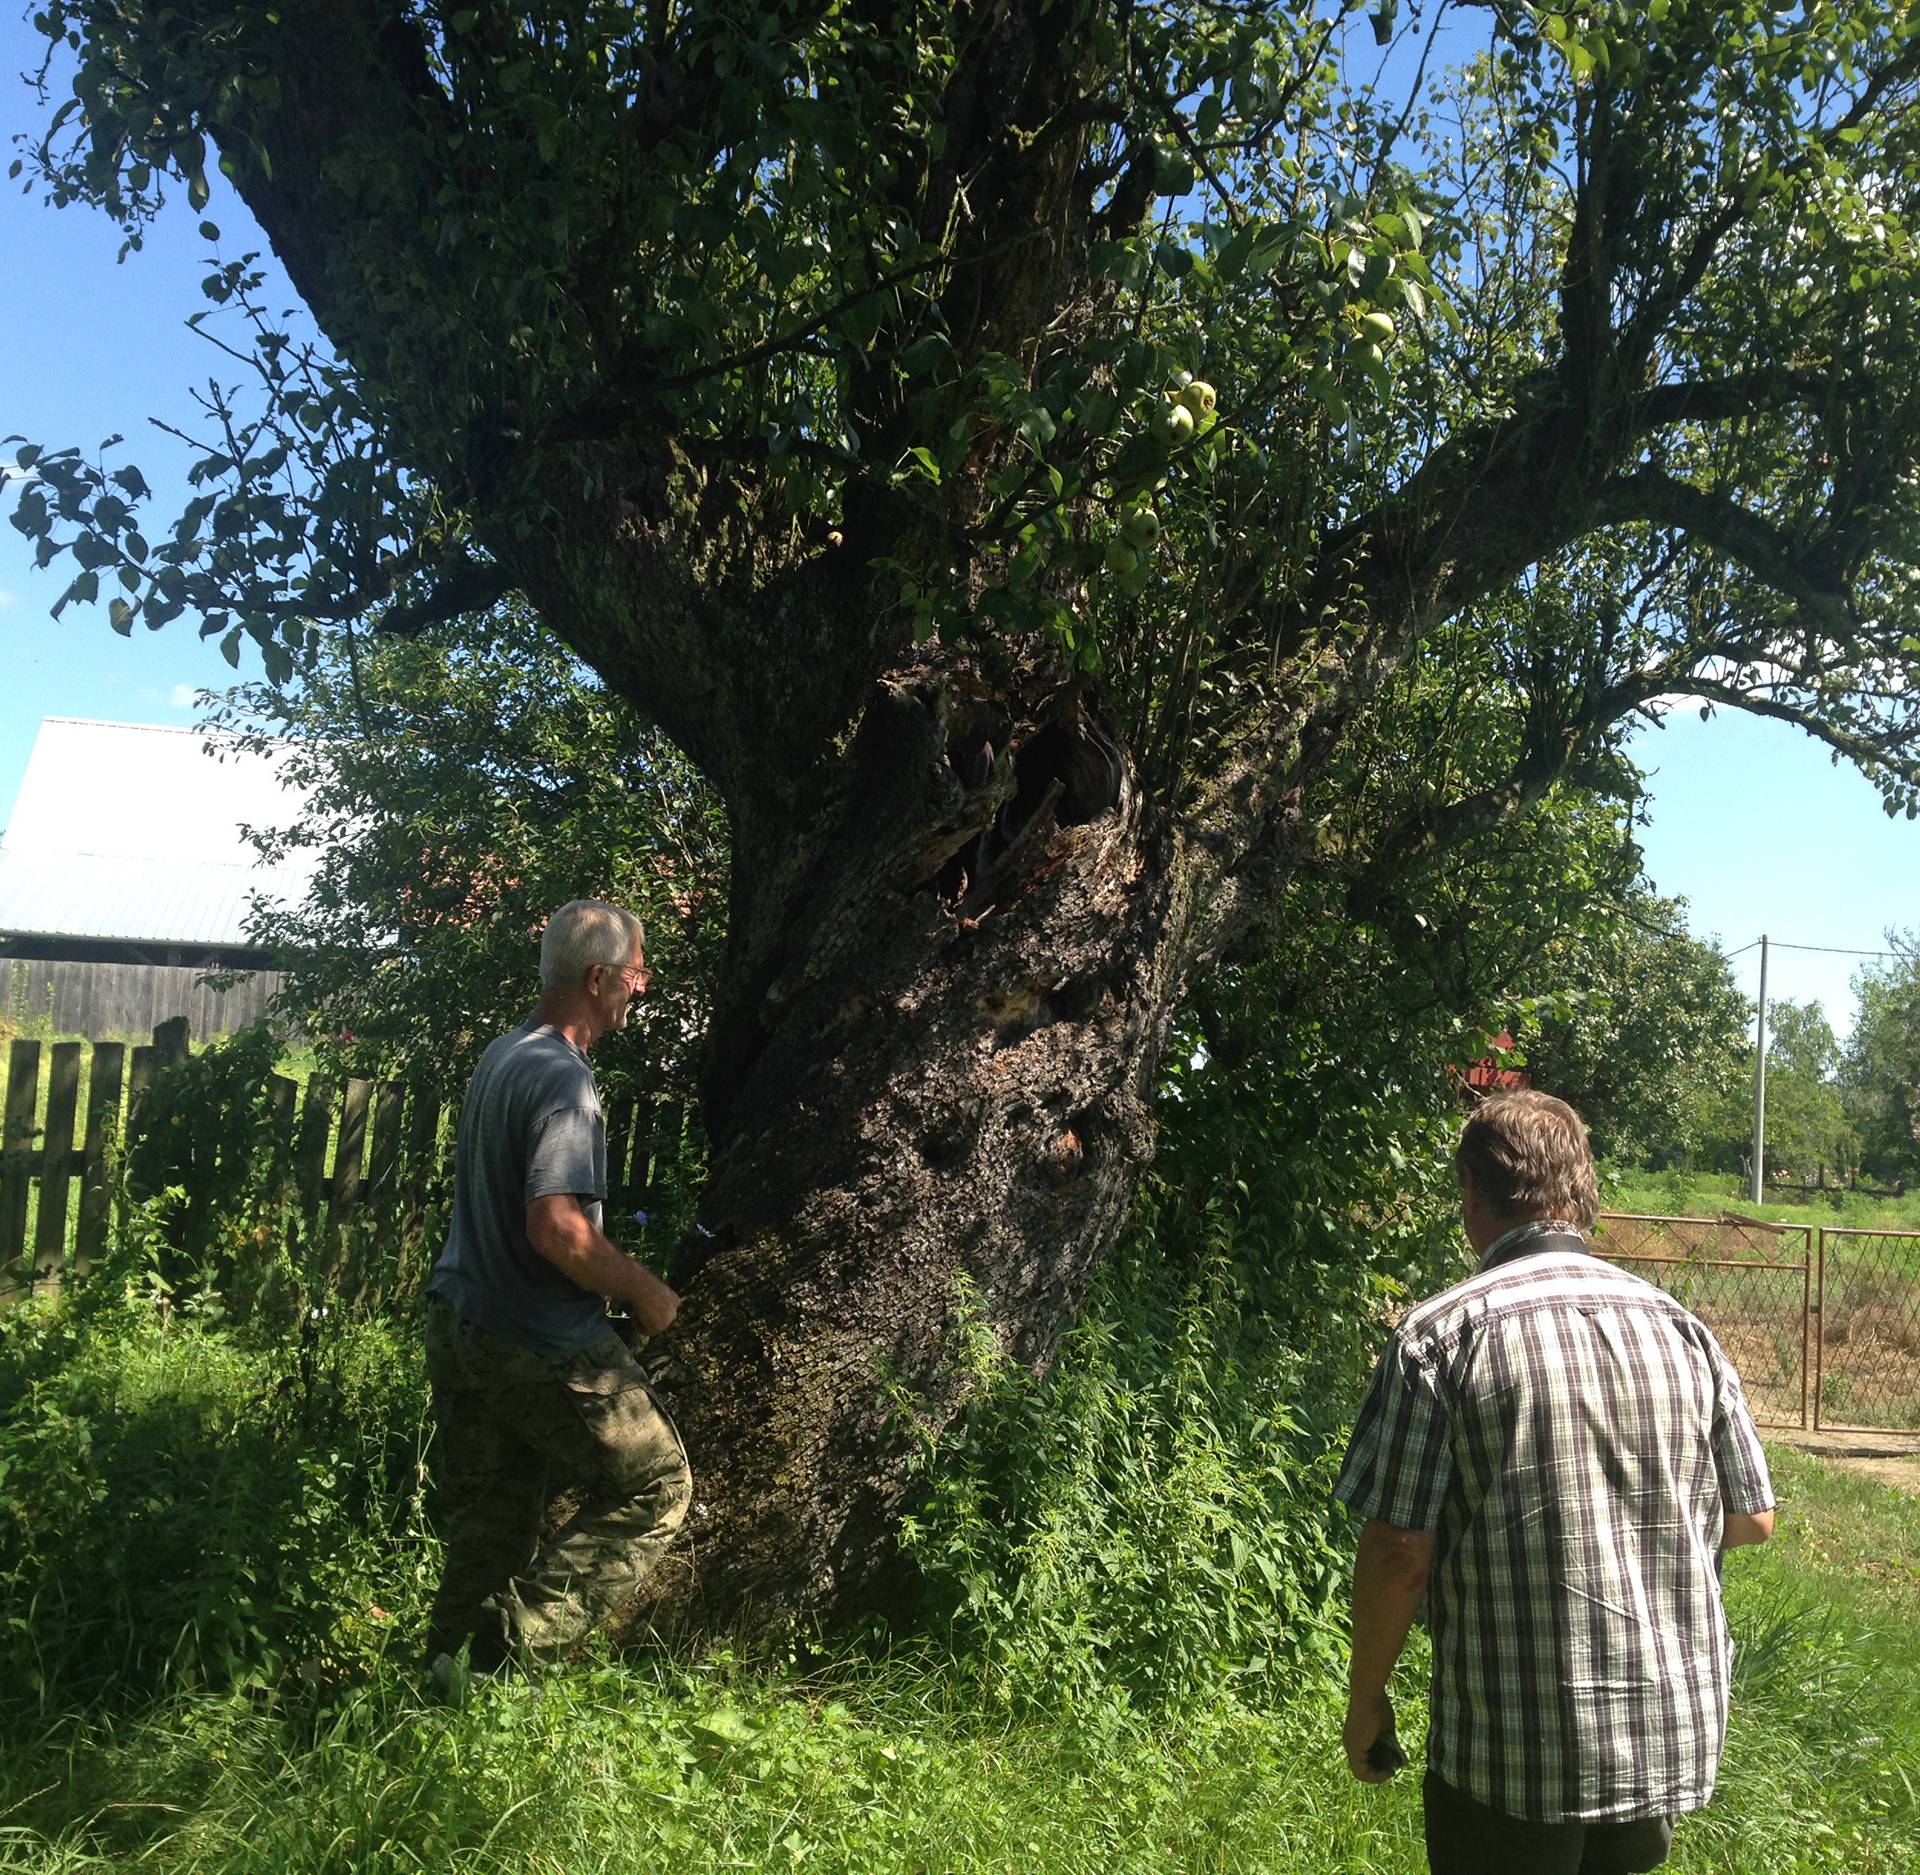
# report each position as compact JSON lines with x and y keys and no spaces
{"x":635,"y":976}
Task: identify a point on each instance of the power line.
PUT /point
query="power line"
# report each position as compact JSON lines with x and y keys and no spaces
{"x":1833,"y":950}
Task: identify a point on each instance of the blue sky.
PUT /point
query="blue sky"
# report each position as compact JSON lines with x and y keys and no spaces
{"x":1750,"y":821}
{"x":90,"y":347}
{"x":1755,"y":827}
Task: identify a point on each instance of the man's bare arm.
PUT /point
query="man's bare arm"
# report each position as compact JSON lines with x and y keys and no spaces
{"x":563,"y":1233}
{"x":1743,"y":1527}
{"x":1390,"y":1574}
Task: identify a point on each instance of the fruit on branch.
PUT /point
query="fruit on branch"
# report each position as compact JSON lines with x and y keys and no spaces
{"x":1173,"y":423}
{"x":1199,"y":397}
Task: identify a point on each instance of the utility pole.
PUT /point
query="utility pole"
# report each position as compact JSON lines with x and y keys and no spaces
{"x":1760,"y":1083}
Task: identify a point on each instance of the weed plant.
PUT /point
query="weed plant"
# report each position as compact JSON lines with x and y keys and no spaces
{"x":190,"y":1502}
{"x":1152,"y":1520}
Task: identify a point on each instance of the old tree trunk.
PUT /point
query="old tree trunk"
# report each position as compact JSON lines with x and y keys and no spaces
{"x":931,"y":1092}
{"x":808,"y":368}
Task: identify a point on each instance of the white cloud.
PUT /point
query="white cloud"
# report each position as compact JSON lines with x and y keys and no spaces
{"x":181,"y":696}
{"x":7,"y":599}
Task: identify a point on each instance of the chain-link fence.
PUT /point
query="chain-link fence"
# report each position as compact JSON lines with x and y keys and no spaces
{"x":1750,"y":1282}
{"x":1823,"y":1324}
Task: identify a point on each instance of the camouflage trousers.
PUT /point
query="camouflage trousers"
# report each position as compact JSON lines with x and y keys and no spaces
{"x":512,"y":1428}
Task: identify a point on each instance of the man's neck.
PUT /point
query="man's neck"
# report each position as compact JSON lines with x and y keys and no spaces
{"x":569,"y":1016}
{"x":1518,"y":1235}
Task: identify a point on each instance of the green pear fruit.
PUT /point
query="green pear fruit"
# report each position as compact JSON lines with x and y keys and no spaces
{"x":1199,"y":398}
{"x":1173,"y":423}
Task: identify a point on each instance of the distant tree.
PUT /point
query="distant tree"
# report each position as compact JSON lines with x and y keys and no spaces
{"x":461,"y":784}
{"x":1808,"y":1121}
{"x":1880,"y":1069}
{"x":1641,"y":1026}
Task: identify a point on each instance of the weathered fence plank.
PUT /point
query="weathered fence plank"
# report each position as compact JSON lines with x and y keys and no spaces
{"x":383,"y":1156}
{"x":348,"y":1155}
{"x":619,"y":1143}
{"x":103,"y":1136}
{"x":423,"y":1137}
{"x":142,"y":1064}
{"x":56,"y":1162}
{"x":283,"y":1096}
{"x":310,"y":1155}
{"x":16,"y":1146}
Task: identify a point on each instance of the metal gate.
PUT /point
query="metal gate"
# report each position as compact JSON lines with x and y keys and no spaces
{"x":1822,"y":1324}
{"x":1867,"y":1349}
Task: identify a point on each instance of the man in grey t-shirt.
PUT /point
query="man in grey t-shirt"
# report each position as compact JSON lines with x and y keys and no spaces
{"x":529,"y":1377}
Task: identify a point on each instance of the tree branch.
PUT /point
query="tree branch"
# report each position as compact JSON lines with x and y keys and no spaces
{"x":465,"y":585}
{"x":1806,"y":576}
{"x":1724,"y":400}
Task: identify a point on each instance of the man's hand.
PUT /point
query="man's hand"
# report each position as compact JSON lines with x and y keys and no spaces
{"x":1370,"y":1723}
{"x":561,"y":1231}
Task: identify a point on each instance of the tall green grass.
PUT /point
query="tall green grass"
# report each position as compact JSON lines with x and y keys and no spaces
{"x":217,"y":1544}
{"x":860,"y":1766}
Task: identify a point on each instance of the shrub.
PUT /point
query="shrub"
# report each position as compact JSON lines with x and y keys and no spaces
{"x":187,"y":1504}
{"x":1151,"y":1520}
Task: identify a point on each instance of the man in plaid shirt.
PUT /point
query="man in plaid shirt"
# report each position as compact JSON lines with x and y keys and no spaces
{"x":1553,"y":1455}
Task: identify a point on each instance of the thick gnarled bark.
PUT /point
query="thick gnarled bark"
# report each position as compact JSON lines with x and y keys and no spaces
{"x":931,"y":1095}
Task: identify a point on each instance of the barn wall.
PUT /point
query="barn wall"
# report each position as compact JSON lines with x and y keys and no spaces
{"x":97,"y":1000}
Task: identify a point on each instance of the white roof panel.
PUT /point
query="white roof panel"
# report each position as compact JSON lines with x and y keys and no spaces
{"x":125,"y":831}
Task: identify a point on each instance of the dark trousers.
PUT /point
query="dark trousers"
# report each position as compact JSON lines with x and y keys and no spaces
{"x":1467,"y":1837}
{"x":510,"y":1424}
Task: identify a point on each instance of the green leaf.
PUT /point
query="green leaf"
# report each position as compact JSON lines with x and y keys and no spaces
{"x":1173,"y":260}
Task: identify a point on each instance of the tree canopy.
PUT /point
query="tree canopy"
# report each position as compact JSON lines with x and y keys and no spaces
{"x":890,"y":301}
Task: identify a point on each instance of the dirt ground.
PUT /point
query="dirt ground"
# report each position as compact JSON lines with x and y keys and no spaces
{"x":1886,"y":1457}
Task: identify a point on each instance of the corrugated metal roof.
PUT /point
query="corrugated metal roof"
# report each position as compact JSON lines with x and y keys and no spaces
{"x":125,"y":831}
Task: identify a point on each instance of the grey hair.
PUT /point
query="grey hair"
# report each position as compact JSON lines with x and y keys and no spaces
{"x":582,"y":933}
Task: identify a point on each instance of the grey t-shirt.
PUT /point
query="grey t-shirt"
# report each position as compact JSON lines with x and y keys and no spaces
{"x":530,"y":1127}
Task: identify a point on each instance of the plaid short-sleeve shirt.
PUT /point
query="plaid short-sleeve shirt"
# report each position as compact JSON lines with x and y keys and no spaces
{"x":1574,"y":1439}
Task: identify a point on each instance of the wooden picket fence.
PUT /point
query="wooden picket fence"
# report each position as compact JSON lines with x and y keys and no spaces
{"x":355,"y":1148}
{"x":362,"y":1151}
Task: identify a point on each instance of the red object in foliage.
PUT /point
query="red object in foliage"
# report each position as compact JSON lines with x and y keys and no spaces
{"x":1488,"y":1072}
